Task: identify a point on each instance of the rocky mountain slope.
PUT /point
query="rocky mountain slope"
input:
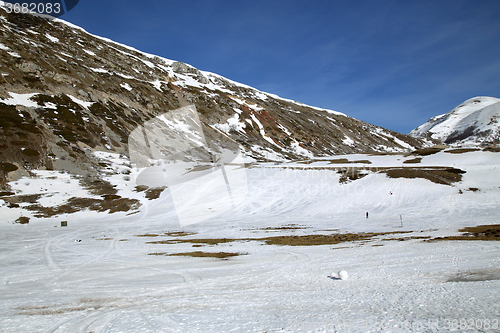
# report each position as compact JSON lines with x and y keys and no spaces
{"x":474,"y":122}
{"x":66,"y":93}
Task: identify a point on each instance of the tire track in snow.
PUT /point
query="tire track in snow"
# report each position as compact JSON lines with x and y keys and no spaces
{"x":107,"y":318}
{"x":48,"y":254}
{"x":102,"y":320}
{"x":83,"y":232}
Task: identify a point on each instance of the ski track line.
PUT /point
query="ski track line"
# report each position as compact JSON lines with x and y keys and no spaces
{"x":299,"y":257}
{"x":84,"y":321}
{"x":22,"y":253}
{"x":105,"y":319}
{"x":186,"y":277}
{"x":50,"y":260}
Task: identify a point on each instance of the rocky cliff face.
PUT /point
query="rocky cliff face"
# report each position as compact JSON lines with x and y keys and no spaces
{"x":65,"y":93}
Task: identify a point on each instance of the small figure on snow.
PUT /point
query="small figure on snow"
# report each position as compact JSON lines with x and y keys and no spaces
{"x":366,"y":214}
{"x":390,"y":192}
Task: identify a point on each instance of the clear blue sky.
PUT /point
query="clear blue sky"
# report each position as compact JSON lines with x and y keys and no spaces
{"x":391,"y":63}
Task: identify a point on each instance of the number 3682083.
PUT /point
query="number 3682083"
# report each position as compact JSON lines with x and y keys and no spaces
{"x":33,"y":8}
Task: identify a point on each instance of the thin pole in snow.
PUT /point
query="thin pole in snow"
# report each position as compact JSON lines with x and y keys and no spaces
{"x":401,"y":218}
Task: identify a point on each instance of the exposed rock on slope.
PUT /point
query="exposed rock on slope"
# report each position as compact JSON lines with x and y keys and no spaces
{"x":66,"y":93}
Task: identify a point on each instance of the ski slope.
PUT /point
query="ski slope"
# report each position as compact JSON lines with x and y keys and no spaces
{"x":96,"y":275}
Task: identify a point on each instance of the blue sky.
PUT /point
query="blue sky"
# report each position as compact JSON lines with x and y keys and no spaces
{"x":394,"y":64}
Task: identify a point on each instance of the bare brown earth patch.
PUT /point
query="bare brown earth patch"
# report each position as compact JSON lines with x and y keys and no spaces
{"x":154,"y":192}
{"x":336,"y":161}
{"x":492,"y":149}
{"x":481,"y":232}
{"x":346,"y":161}
{"x":200,"y":254}
{"x":23,"y":220}
{"x":402,"y":239}
{"x":461,"y":150}
{"x":427,"y":151}
{"x":285,"y":227}
{"x":303,"y":240}
{"x":75,"y":204}
{"x":476,"y":275}
{"x":108,"y":201}
{"x":309,"y":240}
{"x":439,"y":175}
{"x":207,"y":241}
{"x":351,"y":174}
{"x":413,"y":160}
{"x":170,"y":234}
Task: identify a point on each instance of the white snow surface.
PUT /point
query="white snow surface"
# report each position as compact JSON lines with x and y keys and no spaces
{"x":20,"y":99}
{"x":52,"y":38}
{"x":233,"y":124}
{"x":126,"y":86}
{"x":480,"y":113}
{"x":95,"y":275}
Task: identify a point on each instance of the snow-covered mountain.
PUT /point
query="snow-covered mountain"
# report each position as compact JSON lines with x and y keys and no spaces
{"x":476,"y":121}
{"x":67,"y":93}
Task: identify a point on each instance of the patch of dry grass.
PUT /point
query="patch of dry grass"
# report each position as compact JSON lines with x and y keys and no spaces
{"x":461,"y":150}
{"x":309,"y":240}
{"x":286,"y":227}
{"x":199,"y":254}
{"x":179,"y":234}
{"x":78,"y":204}
{"x":427,"y":151}
{"x":346,"y":161}
{"x":476,"y":275}
{"x":170,"y":234}
{"x":26,"y":198}
{"x":351,"y":174}
{"x":140,"y":188}
{"x":23,"y":220}
{"x":402,"y":239}
{"x":98,"y":186}
{"x":154,"y":192}
{"x":413,"y":160}
{"x":482,"y":232}
{"x":439,"y":175}
{"x":493,"y":149}
{"x":303,"y":240}
{"x":380,"y":153}
{"x":207,"y":241}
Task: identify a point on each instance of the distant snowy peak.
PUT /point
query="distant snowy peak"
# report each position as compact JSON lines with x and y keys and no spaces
{"x":476,"y":121}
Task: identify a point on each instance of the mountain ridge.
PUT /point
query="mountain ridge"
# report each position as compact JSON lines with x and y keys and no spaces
{"x":66,"y":93}
{"x":474,"y":122}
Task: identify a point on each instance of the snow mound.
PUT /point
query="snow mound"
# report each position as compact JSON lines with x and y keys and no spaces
{"x":343,"y":275}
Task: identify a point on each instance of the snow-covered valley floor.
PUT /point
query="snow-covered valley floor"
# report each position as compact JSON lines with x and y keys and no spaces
{"x":100,"y":274}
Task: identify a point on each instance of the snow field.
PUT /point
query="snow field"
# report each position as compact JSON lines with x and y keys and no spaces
{"x":96,"y":275}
